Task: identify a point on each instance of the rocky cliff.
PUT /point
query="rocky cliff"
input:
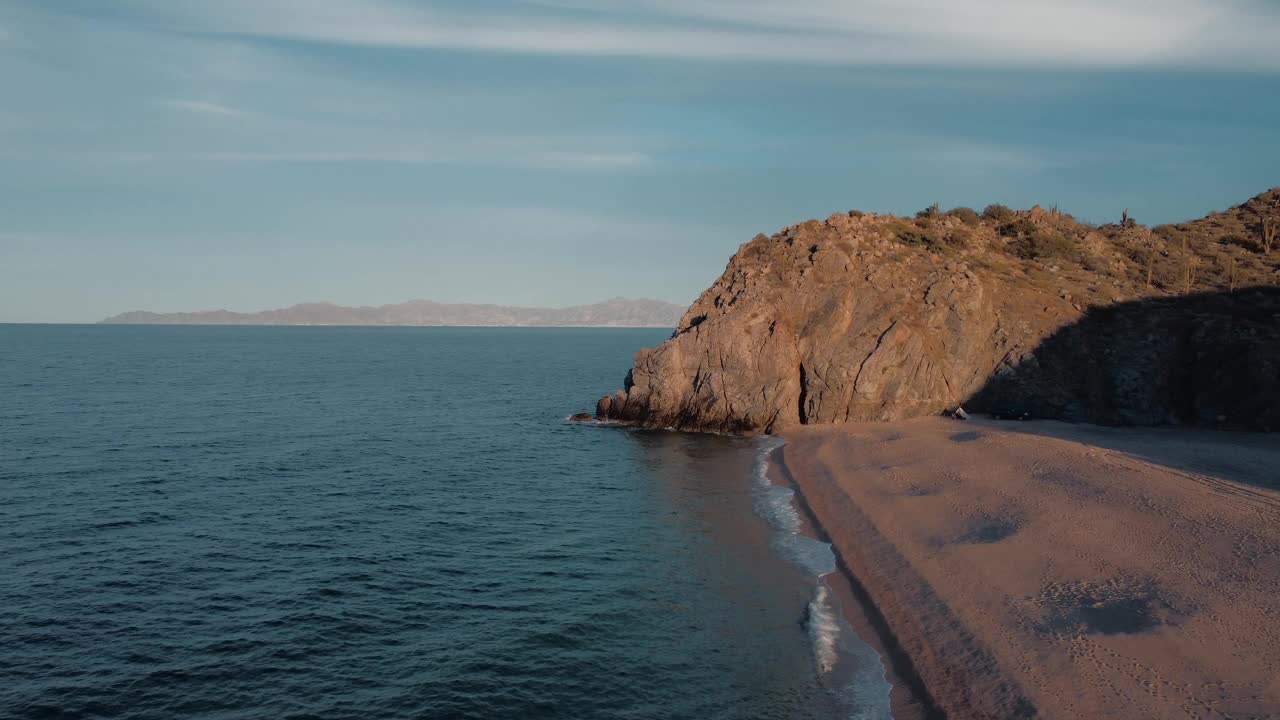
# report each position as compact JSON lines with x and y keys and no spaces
{"x":866,"y":317}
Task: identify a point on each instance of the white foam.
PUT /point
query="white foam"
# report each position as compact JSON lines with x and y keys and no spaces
{"x":760,"y":469}
{"x":777,"y":506}
{"x":824,"y":629}
{"x":850,"y":668}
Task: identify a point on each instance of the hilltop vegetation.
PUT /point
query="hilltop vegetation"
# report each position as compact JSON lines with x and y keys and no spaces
{"x":1226,"y":250}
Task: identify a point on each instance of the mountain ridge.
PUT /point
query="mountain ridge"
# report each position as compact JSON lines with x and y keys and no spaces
{"x":615,"y":312}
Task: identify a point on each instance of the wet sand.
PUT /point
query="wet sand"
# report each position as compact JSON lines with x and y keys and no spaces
{"x":1047,"y":570}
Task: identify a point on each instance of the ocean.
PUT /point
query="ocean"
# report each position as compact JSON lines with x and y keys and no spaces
{"x":296,"y":522}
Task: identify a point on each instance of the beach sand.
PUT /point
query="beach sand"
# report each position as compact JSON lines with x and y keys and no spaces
{"x":1040,"y":569}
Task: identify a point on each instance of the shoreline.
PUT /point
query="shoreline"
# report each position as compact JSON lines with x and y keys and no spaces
{"x":1045,"y":570}
{"x":848,"y":666}
{"x":909,"y":698}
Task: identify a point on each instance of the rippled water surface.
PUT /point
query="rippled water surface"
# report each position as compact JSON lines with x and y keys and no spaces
{"x":376,"y":523}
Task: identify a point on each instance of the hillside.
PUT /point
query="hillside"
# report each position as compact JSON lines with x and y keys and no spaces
{"x":876,"y":317}
{"x":617,"y":312}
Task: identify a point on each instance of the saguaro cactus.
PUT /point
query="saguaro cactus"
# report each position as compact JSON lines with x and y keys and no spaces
{"x":1189,"y":264}
{"x":1270,"y":227}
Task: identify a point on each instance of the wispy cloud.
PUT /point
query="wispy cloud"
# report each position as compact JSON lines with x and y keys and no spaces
{"x":985,"y":155}
{"x":990,"y":157}
{"x":555,"y":160}
{"x":201,"y":107}
{"x":1221,"y":33}
{"x":496,"y":153}
{"x":558,"y":159}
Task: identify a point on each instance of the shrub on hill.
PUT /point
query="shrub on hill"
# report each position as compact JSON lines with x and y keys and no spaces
{"x":997,"y":213}
{"x":920,"y":234}
{"x":932,"y":211}
{"x":1018,"y":227}
{"x":1042,"y":244}
{"x":965,"y":215}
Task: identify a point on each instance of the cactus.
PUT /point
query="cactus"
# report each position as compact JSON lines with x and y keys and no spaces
{"x":1189,"y":264}
{"x":1270,"y":226}
{"x":933,"y":211}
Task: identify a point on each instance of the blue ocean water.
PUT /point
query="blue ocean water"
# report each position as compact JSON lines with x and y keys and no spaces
{"x":221,"y":522}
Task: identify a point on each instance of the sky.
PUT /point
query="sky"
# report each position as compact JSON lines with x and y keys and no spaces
{"x":179,"y":155}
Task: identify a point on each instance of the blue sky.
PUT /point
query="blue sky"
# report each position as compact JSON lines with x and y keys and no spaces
{"x":243,"y":154}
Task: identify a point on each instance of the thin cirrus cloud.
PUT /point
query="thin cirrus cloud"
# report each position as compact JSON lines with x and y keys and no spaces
{"x":201,"y":107}
{"x":227,"y":103}
{"x":549,"y":160}
{"x":1089,"y":33}
{"x":479,"y":153}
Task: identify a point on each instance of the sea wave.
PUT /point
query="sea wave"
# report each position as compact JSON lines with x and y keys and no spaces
{"x":824,"y":629}
{"x":848,"y":667}
{"x":776,"y":504}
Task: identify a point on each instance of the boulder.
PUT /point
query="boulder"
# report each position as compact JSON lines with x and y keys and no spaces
{"x":603,"y":407}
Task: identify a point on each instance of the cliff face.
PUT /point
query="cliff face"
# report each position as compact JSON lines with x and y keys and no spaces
{"x":867,"y":317}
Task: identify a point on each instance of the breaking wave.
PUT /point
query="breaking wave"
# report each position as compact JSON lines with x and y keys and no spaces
{"x":849,"y":668}
{"x":824,"y":629}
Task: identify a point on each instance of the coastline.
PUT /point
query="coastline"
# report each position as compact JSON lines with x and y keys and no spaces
{"x":909,"y":698}
{"x":1040,"y":569}
{"x":845,"y":663}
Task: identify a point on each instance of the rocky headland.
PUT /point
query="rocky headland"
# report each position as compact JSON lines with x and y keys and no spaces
{"x":874,"y":317}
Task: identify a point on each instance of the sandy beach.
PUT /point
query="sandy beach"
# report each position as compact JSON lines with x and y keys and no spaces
{"x":1048,"y":570}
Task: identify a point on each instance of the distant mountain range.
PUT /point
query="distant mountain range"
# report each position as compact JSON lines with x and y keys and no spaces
{"x":618,"y":312}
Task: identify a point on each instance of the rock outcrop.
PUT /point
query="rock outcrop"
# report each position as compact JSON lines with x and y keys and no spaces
{"x":865,"y":317}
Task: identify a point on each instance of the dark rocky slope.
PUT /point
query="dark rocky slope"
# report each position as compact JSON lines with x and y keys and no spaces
{"x":866,"y":317}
